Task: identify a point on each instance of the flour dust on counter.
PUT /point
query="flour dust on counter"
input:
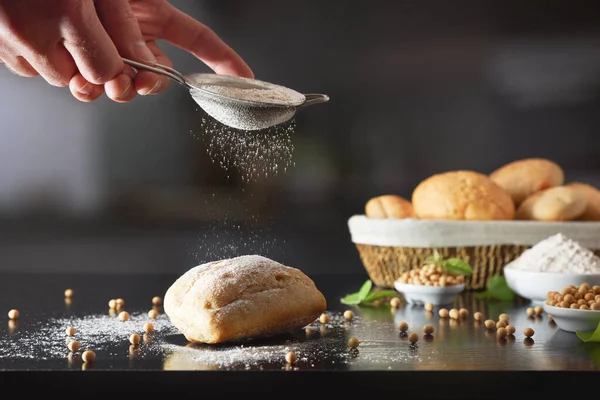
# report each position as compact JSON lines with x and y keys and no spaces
{"x":310,"y":353}
{"x":318,"y":346}
{"x":102,"y":333}
{"x":253,"y":154}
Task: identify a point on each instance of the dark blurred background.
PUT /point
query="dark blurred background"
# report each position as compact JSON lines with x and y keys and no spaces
{"x":416,"y":87}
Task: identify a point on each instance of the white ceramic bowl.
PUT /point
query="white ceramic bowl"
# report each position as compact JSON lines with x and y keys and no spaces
{"x":436,"y":295}
{"x":571,"y":320}
{"x":534,"y":285}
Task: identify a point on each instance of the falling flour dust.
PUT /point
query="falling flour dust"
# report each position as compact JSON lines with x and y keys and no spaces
{"x":251,"y":154}
{"x":229,"y":237}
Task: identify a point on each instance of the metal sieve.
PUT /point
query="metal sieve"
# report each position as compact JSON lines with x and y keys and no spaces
{"x":230,"y":107}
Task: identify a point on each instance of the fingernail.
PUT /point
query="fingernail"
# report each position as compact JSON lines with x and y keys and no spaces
{"x":124,"y":93}
{"x":85,"y":89}
{"x":156,"y":87}
{"x":143,"y":53}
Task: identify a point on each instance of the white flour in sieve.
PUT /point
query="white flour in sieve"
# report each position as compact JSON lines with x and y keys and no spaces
{"x":558,"y":253}
{"x":253,"y":112}
{"x":251,"y":154}
{"x":280,"y":95}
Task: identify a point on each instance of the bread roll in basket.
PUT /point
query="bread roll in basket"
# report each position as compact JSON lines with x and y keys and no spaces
{"x":486,"y":220}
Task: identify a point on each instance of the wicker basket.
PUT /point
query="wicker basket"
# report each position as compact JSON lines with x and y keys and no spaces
{"x":385,"y":264}
{"x":387,"y":248}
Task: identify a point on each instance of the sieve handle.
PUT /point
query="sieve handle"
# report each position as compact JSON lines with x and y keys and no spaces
{"x":314,"y":98}
{"x":160,"y":69}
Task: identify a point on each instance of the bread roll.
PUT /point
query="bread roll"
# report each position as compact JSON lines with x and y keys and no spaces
{"x":389,"y":206}
{"x":240,"y":298}
{"x":524,"y":177}
{"x":592,"y":210}
{"x":461,"y":195}
{"x":560,"y":203}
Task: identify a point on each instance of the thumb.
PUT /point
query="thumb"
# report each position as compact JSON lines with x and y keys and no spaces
{"x":122,"y":26}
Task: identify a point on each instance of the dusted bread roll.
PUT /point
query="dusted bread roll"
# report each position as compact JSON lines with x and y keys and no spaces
{"x":559,"y":203}
{"x":389,"y":206}
{"x":461,"y":195}
{"x":524,"y":177}
{"x":242,"y":297}
{"x":592,"y":210}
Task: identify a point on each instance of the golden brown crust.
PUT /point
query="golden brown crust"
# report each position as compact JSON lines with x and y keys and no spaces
{"x":240,"y":298}
{"x":524,"y":177}
{"x":461,"y":195}
{"x":560,"y":203}
{"x":389,"y":206}
{"x":592,"y":194}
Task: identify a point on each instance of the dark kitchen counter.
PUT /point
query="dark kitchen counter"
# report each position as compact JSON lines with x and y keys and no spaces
{"x":462,"y":360}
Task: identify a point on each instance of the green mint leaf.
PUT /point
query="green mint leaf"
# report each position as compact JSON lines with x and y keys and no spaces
{"x":590,"y":336}
{"x":594,"y":352}
{"x":482,"y":295}
{"x":456,"y":266}
{"x":351,"y":299}
{"x":498,"y":289}
{"x":436,"y":258}
{"x":504,"y":294}
{"x":497,"y":282}
{"x":365,"y":289}
{"x":379,"y":295}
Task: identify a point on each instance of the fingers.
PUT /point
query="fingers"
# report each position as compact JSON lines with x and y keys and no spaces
{"x":188,"y":34}
{"x":123,"y":28}
{"x":84,"y":91}
{"x":149,"y":83}
{"x":56,"y":66}
{"x":123,"y":90}
{"x":119,"y":89}
{"x":19,"y":66}
{"x":92,"y":49}
{"x":58,"y":42}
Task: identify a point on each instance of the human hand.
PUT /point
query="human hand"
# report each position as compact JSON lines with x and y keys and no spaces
{"x":79,"y":43}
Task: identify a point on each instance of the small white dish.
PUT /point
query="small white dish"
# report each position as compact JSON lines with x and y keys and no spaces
{"x":571,"y":320}
{"x":436,"y":295}
{"x":535,"y":285}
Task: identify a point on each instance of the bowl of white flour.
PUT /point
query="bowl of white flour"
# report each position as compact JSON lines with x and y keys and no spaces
{"x":551,"y":265}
